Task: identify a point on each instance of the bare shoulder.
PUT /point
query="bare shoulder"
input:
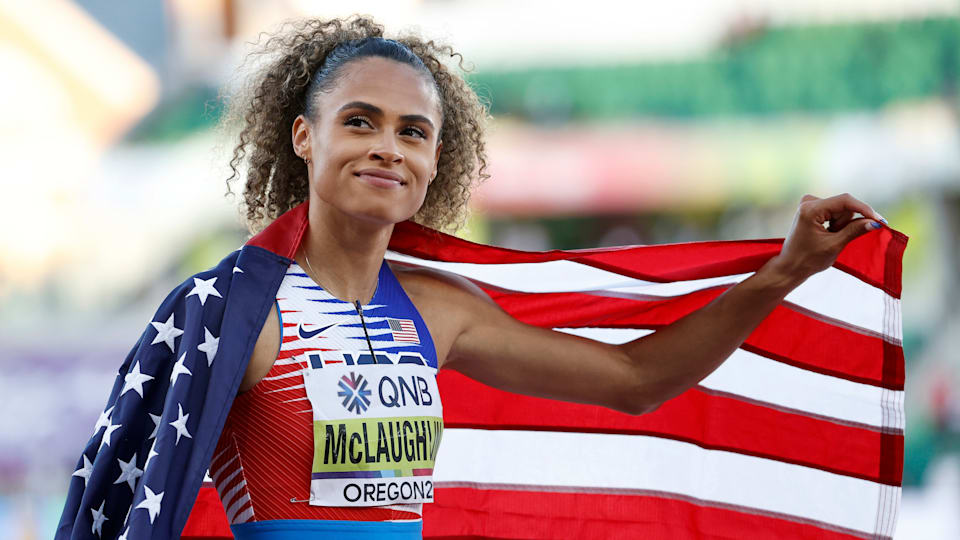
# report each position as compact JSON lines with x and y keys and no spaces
{"x":447,"y":302}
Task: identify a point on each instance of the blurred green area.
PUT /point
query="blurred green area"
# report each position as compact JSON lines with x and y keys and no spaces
{"x":812,"y":69}
{"x":820,"y":69}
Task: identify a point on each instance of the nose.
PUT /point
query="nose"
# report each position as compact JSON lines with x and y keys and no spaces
{"x":387,"y":151}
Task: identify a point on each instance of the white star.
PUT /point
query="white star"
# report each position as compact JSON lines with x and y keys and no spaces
{"x":204,"y":288}
{"x":103,"y":420}
{"x":179,"y":369}
{"x":84,"y":472}
{"x":151,"y":503}
{"x":129,"y":472}
{"x":209,"y":346}
{"x":181,"y":424}
{"x":237,"y":269}
{"x":124,"y":535}
{"x":98,"y":519}
{"x":134,"y":380}
{"x":166,"y":332}
{"x":108,"y":433}
{"x":156,"y":425}
{"x":151,"y":454}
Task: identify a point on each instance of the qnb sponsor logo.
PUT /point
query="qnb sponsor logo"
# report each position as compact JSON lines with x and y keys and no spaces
{"x":361,"y":359}
{"x":404,"y":391}
{"x":354,"y":393}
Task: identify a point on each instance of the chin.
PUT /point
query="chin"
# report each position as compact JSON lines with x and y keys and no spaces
{"x":383,"y":216}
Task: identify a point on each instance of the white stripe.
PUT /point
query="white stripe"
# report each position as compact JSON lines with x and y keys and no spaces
{"x":220,"y":453}
{"x":551,"y":276}
{"x":231,"y":512}
{"x":222,"y":468}
{"x":832,"y":293}
{"x":761,"y":379}
{"x":284,"y":389}
{"x":228,"y":496}
{"x":416,"y":508}
{"x":244,"y":516}
{"x":838,"y":295}
{"x":288,"y":361}
{"x":283,"y":376}
{"x":588,"y":460}
{"x":226,"y":481}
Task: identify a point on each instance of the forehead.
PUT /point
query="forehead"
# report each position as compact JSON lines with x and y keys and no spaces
{"x":393,"y":86}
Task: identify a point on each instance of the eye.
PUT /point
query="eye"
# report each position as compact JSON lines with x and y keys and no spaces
{"x":358,"y":121}
{"x":414,"y":131}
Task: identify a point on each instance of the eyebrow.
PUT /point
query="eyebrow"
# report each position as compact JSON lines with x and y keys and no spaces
{"x":373,"y":109}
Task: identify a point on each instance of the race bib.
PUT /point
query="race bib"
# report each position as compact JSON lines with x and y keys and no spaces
{"x":376,"y":431}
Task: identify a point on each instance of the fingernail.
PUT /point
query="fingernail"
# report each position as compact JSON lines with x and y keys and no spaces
{"x":876,"y":225}
{"x":883,"y":219}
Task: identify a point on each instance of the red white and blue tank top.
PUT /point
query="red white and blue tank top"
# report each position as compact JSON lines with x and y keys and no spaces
{"x":338,"y":440}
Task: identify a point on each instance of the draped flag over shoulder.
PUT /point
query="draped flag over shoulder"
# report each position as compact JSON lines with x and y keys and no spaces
{"x":799,"y":434}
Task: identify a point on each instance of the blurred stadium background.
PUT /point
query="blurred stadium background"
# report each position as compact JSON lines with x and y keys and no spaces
{"x":615,"y":123}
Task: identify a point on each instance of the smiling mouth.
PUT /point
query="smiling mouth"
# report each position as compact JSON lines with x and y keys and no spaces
{"x":380,"y":178}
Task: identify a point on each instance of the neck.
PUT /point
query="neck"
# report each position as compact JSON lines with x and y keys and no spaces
{"x":345,"y":253}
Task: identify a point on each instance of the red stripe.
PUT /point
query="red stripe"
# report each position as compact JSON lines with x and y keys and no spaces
{"x":786,"y":335}
{"x":207,"y":519}
{"x":863,"y":257}
{"x":502,"y":513}
{"x":709,"y":421}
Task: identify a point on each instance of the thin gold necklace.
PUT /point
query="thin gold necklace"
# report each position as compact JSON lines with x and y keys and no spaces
{"x":314,"y":272}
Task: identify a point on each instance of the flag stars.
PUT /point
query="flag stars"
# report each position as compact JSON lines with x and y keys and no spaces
{"x":103,"y":420}
{"x":204,"y":288}
{"x":134,"y":380}
{"x":152,"y":502}
{"x":209,"y":346}
{"x":181,"y":424}
{"x":167,"y":332}
{"x":84,"y":472}
{"x":179,"y":369}
{"x":156,"y":425}
{"x":237,"y":269}
{"x":98,"y":519}
{"x":129,"y":472}
{"x":153,"y":453}
{"x":108,"y":433}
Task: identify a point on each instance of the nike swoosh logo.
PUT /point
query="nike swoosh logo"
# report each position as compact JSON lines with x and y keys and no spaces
{"x":304,"y":334}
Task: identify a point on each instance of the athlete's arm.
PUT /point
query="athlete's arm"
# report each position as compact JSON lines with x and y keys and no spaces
{"x":477,"y":338}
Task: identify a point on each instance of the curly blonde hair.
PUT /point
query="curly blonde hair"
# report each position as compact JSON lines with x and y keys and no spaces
{"x":280,"y":90}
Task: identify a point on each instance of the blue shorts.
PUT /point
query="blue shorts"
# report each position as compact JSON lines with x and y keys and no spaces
{"x":297,"y":529}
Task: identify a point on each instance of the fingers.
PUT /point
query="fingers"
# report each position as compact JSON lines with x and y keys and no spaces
{"x":839,"y":204}
{"x":838,"y":222}
{"x":856,"y":228}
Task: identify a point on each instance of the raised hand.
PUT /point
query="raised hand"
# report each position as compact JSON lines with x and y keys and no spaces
{"x":821,"y":229}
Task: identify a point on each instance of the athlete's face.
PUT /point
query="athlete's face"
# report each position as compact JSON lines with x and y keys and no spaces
{"x":373,"y":141}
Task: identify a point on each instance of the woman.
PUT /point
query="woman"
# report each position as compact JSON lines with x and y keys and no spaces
{"x":330,"y":352}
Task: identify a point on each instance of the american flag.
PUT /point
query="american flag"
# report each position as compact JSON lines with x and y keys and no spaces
{"x":798,"y":434}
{"x":139,"y":473}
{"x":403,"y":330}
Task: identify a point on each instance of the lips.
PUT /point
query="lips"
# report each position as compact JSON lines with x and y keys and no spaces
{"x":381,"y":177}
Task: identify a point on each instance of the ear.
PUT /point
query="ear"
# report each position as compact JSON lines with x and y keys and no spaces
{"x":300,"y":136}
{"x":436,"y":161}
